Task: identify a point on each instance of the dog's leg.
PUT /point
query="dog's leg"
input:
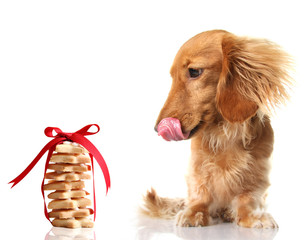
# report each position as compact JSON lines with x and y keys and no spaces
{"x":251,"y":214}
{"x":194,"y":216}
{"x":196,"y":212}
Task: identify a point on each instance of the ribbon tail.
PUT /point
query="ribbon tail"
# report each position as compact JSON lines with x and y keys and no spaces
{"x":96,"y":154}
{"x":94,"y":198}
{"x":35,"y":161}
{"x":51,"y":150}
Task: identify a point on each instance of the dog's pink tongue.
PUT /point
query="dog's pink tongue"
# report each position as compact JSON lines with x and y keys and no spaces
{"x":170,"y":129}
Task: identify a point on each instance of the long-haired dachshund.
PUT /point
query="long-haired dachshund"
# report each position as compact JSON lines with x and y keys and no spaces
{"x":224,"y":89}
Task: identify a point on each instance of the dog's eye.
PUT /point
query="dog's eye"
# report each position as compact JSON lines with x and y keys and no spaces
{"x":194,"y":73}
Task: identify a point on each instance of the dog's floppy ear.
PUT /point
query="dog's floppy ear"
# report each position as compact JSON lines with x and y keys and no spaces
{"x":254,"y":75}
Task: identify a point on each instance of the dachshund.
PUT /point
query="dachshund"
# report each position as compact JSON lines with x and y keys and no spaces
{"x":224,"y":90}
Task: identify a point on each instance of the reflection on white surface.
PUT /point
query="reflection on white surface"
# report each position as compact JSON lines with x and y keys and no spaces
{"x":57,"y":233}
{"x":148,"y":228}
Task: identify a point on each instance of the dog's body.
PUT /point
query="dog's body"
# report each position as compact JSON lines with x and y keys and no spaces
{"x":223,"y":90}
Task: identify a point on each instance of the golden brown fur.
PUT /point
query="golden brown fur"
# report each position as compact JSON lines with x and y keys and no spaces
{"x":226,"y":109}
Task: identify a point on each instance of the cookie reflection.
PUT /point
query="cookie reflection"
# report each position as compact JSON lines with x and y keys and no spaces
{"x":57,"y":233}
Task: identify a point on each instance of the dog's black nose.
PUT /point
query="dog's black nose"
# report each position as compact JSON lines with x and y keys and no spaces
{"x":156,"y":128}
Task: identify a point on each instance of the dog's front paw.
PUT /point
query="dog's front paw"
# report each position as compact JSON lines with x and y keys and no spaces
{"x":190,"y":218}
{"x":263,"y":221}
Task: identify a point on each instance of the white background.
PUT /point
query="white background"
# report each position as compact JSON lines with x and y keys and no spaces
{"x":72,"y":63}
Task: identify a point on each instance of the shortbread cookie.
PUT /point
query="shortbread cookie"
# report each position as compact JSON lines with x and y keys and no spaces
{"x":73,"y":223}
{"x":70,"y":213}
{"x":68,"y":194}
{"x":64,"y":185}
{"x":69,"y":148}
{"x":63,"y":167}
{"x":67,"y":176}
{"x":69,"y":162}
{"x":70,"y":158}
{"x":69,"y":203}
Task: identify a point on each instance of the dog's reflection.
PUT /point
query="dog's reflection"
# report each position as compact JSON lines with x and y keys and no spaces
{"x":149,"y":228}
{"x":57,"y":233}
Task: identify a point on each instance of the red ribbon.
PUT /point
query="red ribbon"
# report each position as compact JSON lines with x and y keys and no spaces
{"x":78,"y":137}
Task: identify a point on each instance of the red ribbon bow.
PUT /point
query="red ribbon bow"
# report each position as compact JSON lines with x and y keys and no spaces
{"x":78,"y":137}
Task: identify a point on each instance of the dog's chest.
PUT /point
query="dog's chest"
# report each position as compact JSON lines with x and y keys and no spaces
{"x":226,"y":173}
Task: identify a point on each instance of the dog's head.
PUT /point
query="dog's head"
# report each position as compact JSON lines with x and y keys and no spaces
{"x":218,"y":76}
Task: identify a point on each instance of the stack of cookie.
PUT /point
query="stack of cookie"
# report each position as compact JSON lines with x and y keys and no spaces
{"x":69,"y":164}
